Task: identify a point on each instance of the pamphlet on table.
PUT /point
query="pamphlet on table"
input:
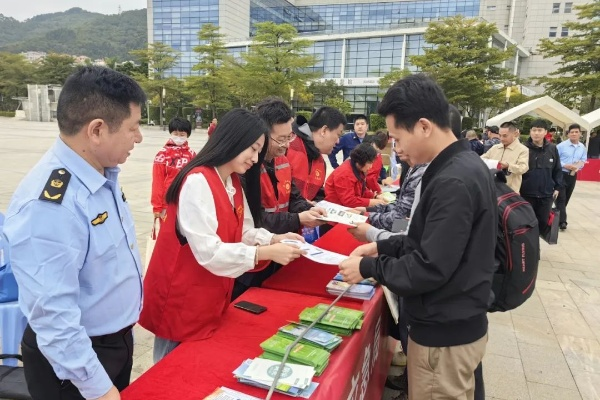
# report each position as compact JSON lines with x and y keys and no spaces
{"x":361,"y":292}
{"x":224,"y":393}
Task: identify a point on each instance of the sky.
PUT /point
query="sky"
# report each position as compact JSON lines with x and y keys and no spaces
{"x":23,"y":10}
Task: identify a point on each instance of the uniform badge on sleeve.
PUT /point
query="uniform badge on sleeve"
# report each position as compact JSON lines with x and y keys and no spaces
{"x":100,"y":218}
{"x":56,"y":186}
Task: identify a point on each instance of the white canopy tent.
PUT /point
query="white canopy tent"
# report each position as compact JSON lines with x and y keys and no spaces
{"x":547,"y":108}
{"x":593,"y":119}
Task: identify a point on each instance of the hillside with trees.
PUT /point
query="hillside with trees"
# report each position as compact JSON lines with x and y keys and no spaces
{"x":76,"y":32}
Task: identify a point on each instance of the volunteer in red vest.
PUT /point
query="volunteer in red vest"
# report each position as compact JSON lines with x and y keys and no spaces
{"x":305,"y":153}
{"x":209,"y":236}
{"x":347,"y":184}
{"x":377,"y":174}
{"x":168,"y":162}
{"x":283,"y":207}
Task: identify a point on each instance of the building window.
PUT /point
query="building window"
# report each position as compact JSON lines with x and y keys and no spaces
{"x":568,"y":7}
{"x":552,"y":32}
{"x":564,"y":32}
{"x":555,"y":8}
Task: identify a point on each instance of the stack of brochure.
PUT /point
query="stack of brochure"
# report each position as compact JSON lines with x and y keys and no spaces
{"x":370,"y":281}
{"x":295,"y":380}
{"x":338,"y":320}
{"x":361,"y":292}
{"x":314,"y":336}
{"x":305,"y":354}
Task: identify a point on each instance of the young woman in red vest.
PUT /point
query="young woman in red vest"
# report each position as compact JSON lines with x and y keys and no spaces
{"x":209,"y":236}
{"x":347,"y":184}
{"x":314,"y":138}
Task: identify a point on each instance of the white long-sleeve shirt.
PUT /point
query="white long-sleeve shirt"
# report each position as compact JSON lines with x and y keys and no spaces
{"x":197,"y":221}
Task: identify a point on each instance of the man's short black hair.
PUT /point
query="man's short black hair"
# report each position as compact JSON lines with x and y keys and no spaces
{"x":273,"y":111}
{"x":181,"y":125}
{"x":574,"y":126}
{"x":330,"y":117}
{"x":96,"y":92}
{"x":511,"y":125}
{"x":361,"y":116}
{"x":539,"y":123}
{"x":552,"y":130}
{"x":380,"y":139}
{"x":455,"y":121}
{"x":494,"y":129}
{"x":415,"y":97}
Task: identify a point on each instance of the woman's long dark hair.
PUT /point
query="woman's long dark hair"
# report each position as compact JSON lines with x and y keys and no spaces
{"x":237,"y":130}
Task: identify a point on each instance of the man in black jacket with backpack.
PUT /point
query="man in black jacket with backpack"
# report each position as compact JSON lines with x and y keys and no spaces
{"x":444,"y":266}
{"x":543,"y":180}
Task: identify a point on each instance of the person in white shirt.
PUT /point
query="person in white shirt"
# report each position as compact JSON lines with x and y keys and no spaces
{"x":214,"y":237}
{"x":573,"y":155}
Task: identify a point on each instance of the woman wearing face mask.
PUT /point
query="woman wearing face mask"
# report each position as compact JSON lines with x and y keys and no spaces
{"x":168,"y":162}
{"x":210,"y":236}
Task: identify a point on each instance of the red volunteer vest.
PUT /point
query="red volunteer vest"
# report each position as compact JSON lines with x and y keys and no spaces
{"x":183,"y":301}
{"x":283,"y":173}
{"x":308,"y":184}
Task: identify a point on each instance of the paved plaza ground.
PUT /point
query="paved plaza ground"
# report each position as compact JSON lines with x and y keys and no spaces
{"x":547,"y":349}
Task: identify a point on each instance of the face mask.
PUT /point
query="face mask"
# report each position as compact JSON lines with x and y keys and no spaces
{"x":178,"y":140}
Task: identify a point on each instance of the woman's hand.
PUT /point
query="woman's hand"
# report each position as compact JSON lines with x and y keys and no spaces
{"x":281,"y":253}
{"x":289,"y":235}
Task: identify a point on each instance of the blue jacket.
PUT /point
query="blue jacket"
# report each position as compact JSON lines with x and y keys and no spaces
{"x":347,"y":143}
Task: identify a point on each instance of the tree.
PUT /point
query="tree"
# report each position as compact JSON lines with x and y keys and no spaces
{"x":131,"y":69}
{"x":210,"y":88}
{"x":579,"y":71}
{"x":392,"y":77}
{"x":15,"y":74}
{"x":463,"y":64}
{"x":337,"y":102}
{"x":55,"y":68}
{"x":160,"y":58}
{"x":276,"y":62}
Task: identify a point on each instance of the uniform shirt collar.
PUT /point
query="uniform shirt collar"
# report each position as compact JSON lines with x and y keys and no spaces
{"x":72,"y":161}
{"x":513,"y":145}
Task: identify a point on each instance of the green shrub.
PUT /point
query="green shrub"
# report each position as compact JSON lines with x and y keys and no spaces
{"x":9,"y":114}
{"x":170,"y":113}
{"x":155,"y":114}
{"x":376,"y":123}
{"x":305,"y":114}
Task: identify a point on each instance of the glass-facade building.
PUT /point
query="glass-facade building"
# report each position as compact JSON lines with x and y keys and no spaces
{"x":356,"y":43}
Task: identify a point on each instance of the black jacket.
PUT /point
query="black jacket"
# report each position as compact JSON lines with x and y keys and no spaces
{"x":444,"y":266}
{"x":544,"y":175}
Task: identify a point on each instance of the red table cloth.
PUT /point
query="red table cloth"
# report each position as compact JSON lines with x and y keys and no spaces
{"x":357,"y":369}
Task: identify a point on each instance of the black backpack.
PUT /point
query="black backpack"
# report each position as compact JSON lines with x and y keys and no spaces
{"x":517,"y":249}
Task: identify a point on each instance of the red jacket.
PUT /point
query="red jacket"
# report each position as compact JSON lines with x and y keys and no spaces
{"x":269,"y":201}
{"x":182,"y":300}
{"x":167,"y":164}
{"x":344,"y":188}
{"x":373,"y":175}
{"x":211,"y":128}
{"x":308,"y":181}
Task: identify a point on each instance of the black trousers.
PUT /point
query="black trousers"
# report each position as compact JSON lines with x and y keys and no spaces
{"x":542,"y":207}
{"x":115,"y":353}
{"x":564,"y":195}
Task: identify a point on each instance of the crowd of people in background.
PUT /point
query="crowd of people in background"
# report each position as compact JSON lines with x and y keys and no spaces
{"x":226,"y":211}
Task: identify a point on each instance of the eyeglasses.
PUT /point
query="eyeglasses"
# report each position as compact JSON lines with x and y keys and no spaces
{"x":285,"y":142}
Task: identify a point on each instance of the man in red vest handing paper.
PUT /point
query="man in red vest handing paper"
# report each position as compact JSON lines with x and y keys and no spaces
{"x":283,"y":207}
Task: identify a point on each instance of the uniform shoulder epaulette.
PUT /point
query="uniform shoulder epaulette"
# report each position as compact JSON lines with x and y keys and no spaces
{"x":56,"y":186}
